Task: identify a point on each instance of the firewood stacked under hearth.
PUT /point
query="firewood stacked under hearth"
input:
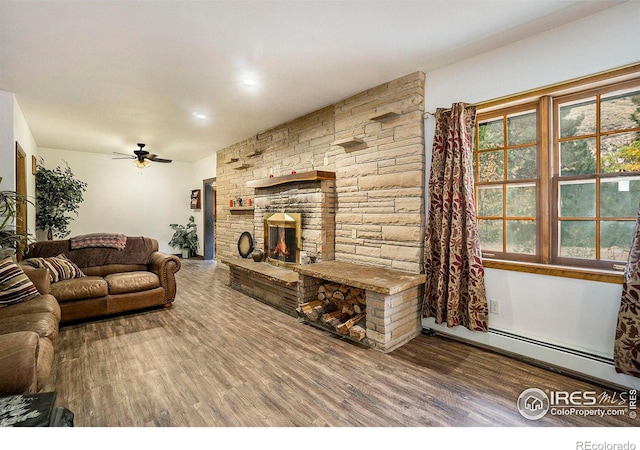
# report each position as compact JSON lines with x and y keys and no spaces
{"x":340,"y":308}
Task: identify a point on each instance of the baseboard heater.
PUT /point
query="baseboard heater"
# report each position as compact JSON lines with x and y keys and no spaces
{"x":506,"y":334}
{"x":559,"y":348}
{"x":586,"y":366}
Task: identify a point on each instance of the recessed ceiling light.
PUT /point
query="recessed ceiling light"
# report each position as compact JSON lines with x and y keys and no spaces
{"x":199,"y":115}
{"x":249,"y":81}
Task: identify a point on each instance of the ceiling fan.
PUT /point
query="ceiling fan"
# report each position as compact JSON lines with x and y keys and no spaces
{"x":142,"y":157}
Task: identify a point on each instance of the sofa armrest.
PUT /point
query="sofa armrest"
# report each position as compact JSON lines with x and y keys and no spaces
{"x":165,"y":266}
{"x":18,"y":366}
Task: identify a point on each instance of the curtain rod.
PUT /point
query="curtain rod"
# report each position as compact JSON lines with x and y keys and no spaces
{"x":433,"y":113}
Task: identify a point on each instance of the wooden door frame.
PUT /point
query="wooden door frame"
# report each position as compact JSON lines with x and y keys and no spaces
{"x":21,"y":189}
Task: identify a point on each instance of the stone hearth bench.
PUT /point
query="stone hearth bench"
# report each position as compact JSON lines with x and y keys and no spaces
{"x":393,"y":298}
{"x":275,"y":286}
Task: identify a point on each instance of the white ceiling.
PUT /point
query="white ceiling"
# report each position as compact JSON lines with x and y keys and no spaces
{"x":100,"y":76}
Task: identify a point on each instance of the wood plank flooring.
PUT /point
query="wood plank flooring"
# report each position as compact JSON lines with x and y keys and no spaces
{"x":221,"y":359}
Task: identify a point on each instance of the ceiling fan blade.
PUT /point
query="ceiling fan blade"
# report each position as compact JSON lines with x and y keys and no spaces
{"x":125,"y":154}
{"x":155,"y":158}
{"x":126,"y":157}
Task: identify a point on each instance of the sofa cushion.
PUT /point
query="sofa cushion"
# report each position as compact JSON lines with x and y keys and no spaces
{"x":41,"y":303}
{"x":15,"y":286}
{"x":122,"y":283}
{"x":79,"y":288}
{"x":108,"y":269}
{"x":60,"y":267}
{"x":43,"y":323}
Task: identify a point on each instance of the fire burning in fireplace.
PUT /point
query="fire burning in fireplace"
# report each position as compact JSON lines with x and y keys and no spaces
{"x":281,"y":248}
{"x":283,"y":238}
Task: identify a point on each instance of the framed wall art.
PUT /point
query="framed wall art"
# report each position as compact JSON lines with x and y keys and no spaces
{"x":195,"y":199}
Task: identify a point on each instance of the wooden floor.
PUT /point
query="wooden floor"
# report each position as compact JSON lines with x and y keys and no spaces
{"x":221,"y":359}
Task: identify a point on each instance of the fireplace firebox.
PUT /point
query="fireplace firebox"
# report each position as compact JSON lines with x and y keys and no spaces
{"x":283,"y":238}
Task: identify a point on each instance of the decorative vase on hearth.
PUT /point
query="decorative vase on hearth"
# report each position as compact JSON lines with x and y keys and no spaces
{"x":258,"y":255}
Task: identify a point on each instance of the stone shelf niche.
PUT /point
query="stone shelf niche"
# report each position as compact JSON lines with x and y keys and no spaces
{"x":350,"y":142}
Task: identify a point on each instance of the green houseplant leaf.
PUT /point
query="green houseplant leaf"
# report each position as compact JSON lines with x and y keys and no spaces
{"x":185,"y":236}
{"x":9,"y":237}
{"x":58,"y":193}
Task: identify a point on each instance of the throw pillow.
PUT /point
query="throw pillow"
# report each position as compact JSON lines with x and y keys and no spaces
{"x":15,"y":286}
{"x":60,"y":267}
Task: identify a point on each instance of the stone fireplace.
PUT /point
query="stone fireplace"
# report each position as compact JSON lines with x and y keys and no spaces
{"x":354,"y":172}
{"x":306,"y":201}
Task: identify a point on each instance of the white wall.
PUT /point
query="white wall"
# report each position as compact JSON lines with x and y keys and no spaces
{"x":203,"y":169}
{"x":572,"y":313}
{"x":121,"y":198}
{"x":7,"y":145}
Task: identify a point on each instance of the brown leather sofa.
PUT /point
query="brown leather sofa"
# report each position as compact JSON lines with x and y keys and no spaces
{"x":28,"y":331}
{"x":116,"y":281}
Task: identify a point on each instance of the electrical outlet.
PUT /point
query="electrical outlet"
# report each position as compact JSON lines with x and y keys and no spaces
{"x":494,"y":307}
{"x":354,"y":233}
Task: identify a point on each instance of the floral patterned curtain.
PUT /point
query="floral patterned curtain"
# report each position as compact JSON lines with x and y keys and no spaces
{"x":626,"y":352}
{"x":455,"y":289}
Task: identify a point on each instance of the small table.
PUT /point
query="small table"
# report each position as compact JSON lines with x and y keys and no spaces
{"x":33,"y":410}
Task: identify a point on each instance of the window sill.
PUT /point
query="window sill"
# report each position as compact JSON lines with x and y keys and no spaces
{"x":603,"y":276}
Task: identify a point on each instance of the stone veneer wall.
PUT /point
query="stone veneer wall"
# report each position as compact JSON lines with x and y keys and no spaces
{"x":379,"y":183}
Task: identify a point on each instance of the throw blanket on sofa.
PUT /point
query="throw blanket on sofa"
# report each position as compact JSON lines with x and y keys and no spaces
{"x":110,"y":240}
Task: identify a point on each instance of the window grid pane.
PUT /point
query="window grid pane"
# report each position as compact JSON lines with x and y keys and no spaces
{"x":599,"y":138}
{"x":506,"y":183}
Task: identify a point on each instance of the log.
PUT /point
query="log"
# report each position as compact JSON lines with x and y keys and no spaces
{"x":337,"y":321}
{"x":357,"y":332}
{"x":305,"y":308}
{"x":328,"y":316}
{"x":338,"y":295}
{"x":320,"y":310}
{"x":315,"y":313}
{"x":347,"y":308}
{"x":321,"y":296}
{"x":344,"y":328}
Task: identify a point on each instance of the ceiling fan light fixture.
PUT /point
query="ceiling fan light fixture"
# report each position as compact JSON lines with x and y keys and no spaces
{"x":141,"y":164}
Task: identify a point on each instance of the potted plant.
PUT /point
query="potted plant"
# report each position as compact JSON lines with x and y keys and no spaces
{"x":185,"y":237}
{"x":11,"y":242}
{"x":58,"y":193}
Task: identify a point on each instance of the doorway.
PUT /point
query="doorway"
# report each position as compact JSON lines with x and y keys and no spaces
{"x":209,"y":219}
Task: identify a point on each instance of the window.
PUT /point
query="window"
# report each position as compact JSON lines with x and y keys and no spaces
{"x":558,"y":180}
{"x":507,"y":183}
